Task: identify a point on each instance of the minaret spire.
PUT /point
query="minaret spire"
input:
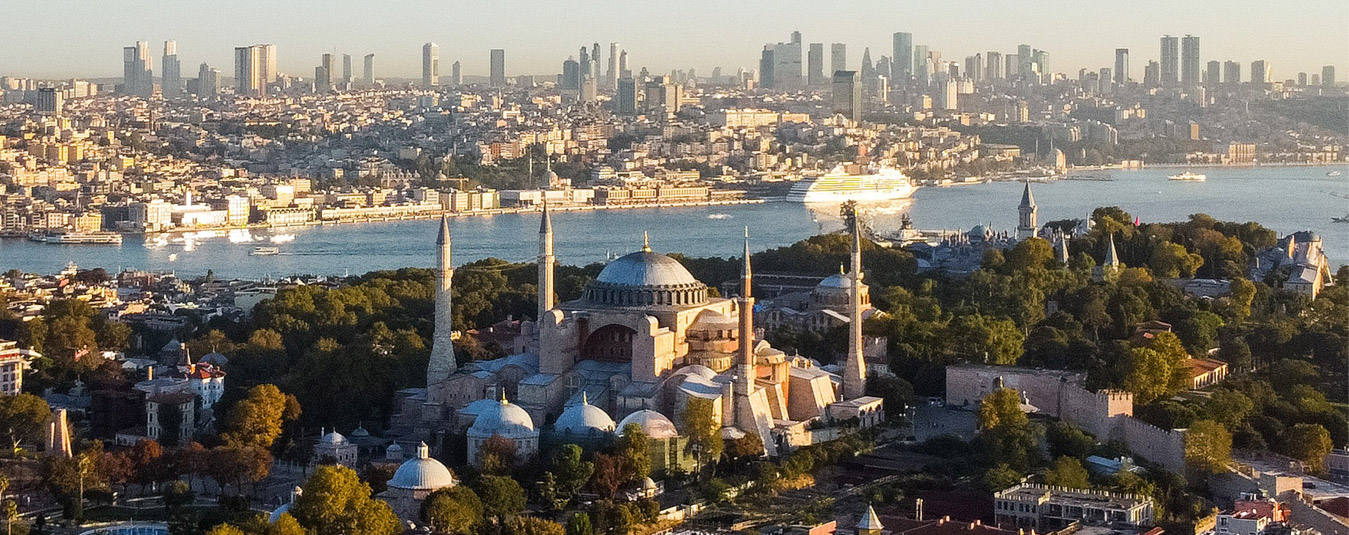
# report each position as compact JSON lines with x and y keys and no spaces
{"x":745,"y":353}
{"x":855,"y":368}
{"x":442,"y":363}
{"x":546,"y":261}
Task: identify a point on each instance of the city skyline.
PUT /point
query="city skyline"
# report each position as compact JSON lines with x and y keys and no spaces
{"x":683,"y":40}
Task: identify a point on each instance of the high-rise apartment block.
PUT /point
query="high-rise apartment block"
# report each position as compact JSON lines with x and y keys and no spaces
{"x":1260,"y":74}
{"x":208,"y":82}
{"x":1328,"y":75}
{"x":847,"y":89}
{"x":901,"y":58}
{"x":1189,"y":62}
{"x":1231,"y":72}
{"x":1121,"y":66}
{"x":254,"y":69}
{"x":171,"y":74}
{"x":815,"y":65}
{"x":430,"y":65}
{"x":137,"y":70}
{"x":994,"y":71}
{"x":1169,"y":72}
{"x":838,"y":57}
{"x":625,"y":101}
{"x":1213,"y":74}
{"x":368,"y":73}
{"x":498,"y":67}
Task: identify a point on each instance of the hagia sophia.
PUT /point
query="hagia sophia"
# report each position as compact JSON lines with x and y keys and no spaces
{"x":643,"y":340}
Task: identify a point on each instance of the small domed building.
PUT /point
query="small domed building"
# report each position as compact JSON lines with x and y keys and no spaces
{"x":414,"y":480}
{"x":335,"y":446}
{"x":508,"y":421}
{"x":668,"y":450}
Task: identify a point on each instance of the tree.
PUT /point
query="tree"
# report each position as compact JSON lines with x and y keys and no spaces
{"x":145,"y":461}
{"x":1157,"y":370}
{"x":579,"y":524}
{"x":256,"y":420}
{"x":609,"y":475}
{"x":1030,"y":253}
{"x":702,"y":429}
{"x":896,"y":392}
{"x":1309,"y":443}
{"x":1067,"y":472}
{"x":501,"y":496}
{"x":1208,"y":447}
{"x":335,"y":501}
{"x":530,"y":525}
{"x":226,"y":529}
{"x":1228,"y":407}
{"x":634,"y":448}
{"x":8,"y":508}
{"x":22,"y":418}
{"x":497,"y":455}
{"x":571,"y":470}
{"x":1066,"y":440}
{"x":453,"y":510}
{"x":177,"y":494}
{"x":999,"y":408}
{"x":1000,"y":477}
{"x":988,"y":339}
{"x":1171,"y":260}
{"x":746,"y":446}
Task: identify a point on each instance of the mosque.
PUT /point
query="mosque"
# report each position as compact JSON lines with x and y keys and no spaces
{"x":644,"y":338}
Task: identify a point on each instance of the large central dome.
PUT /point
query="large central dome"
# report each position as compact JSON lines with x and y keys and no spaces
{"x":644,"y":279}
{"x":645,"y":268}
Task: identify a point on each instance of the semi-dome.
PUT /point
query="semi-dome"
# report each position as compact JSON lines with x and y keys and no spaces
{"x":653,"y":423}
{"x":645,"y":278}
{"x":505,"y":419}
{"x":422,"y":473}
{"x":583,"y":419}
{"x":712,"y":320}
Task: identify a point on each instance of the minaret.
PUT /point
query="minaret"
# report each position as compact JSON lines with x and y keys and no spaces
{"x":855,"y":368}
{"x":745,"y":355}
{"x":1027,"y":211}
{"x":546,"y":261}
{"x":442,"y":362}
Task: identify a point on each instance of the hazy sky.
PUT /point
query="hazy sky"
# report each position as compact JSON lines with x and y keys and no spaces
{"x":64,"y":38}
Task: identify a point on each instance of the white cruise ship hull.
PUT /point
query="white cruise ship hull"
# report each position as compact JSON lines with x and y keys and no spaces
{"x":845,"y":196}
{"x":835,"y":187}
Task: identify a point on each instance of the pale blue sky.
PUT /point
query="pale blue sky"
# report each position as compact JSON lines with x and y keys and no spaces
{"x":62,"y":38}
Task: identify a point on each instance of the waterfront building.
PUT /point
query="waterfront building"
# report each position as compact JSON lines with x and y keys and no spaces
{"x":430,"y":65}
{"x":644,"y":336}
{"x":498,"y":66}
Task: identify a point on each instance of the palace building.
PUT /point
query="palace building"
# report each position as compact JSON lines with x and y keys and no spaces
{"x":644,"y":338}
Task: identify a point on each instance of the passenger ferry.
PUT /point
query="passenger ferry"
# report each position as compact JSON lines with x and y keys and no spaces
{"x":77,"y":238}
{"x":266,"y":251}
{"x":1189,"y":176}
{"x":853,"y":183}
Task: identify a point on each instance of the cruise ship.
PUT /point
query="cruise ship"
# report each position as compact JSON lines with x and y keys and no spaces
{"x":853,"y":183}
{"x":78,"y":238}
{"x":1188,"y":176}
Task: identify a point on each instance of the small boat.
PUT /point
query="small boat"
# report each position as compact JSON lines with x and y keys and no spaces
{"x":1188,"y":176}
{"x":1333,"y":173}
{"x":266,"y":251}
{"x":1344,"y":219}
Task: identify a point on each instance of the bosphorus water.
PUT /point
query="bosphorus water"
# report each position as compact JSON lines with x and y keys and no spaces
{"x":1286,"y":199}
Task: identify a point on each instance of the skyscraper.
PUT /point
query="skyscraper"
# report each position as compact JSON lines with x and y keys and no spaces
{"x":920,"y":72}
{"x":346,"y":68}
{"x":430,"y":65}
{"x":1231,"y":72}
{"x":1302,"y":79}
{"x":626,"y":101}
{"x":787,"y":64}
{"x":1121,"y":66}
{"x":1169,"y":68}
{"x":368,"y":75}
{"x":1189,"y":62}
{"x":623,"y":70}
{"x":994,"y":69}
{"x":456,"y":77}
{"x":1260,"y":74}
{"x":613,"y":74}
{"x":171,"y":84}
{"x":847,"y":88}
{"x":571,"y":74}
{"x":498,"y":74}
{"x":838,"y":57}
{"x":208,"y":82}
{"x":766,"y":65}
{"x":815,"y":65}
{"x":1152,"y":75}
{"x":1025,"y":59}
{"x":1328,"y":75}
{"x":595,"y":60}
{"x":248,"y":70}
{"x":137,"y":70}
{"x":901,"y":58}
{"x":1214,"y":74}
{"x":974,"y":68}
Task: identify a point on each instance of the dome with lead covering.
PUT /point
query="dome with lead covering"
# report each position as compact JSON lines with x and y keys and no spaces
{"x":422,"y":473}
{"x":583,"y":419}
{"x":646,"y":278}
{"x":653,"y":423}
{"x":505,"y":419}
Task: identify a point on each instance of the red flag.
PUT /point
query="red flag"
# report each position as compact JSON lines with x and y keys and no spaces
{"x":1136,"y":222}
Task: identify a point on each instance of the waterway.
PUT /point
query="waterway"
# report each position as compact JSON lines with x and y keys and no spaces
{"x":1286,"y":199}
